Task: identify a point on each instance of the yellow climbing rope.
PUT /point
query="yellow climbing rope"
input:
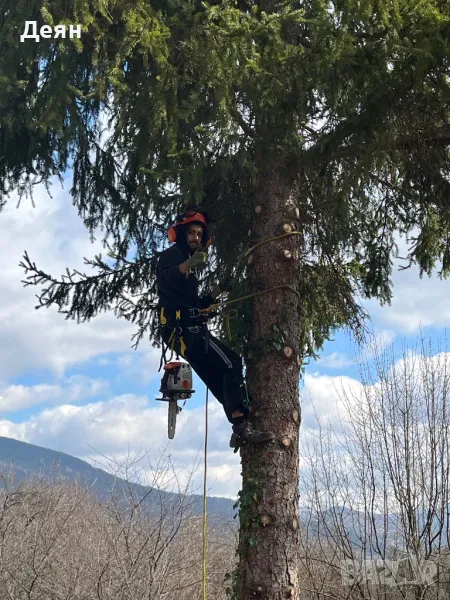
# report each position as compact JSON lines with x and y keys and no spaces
{"x":228,"y":316}
{"x":272,"y":239}
{"x":204,"y":502}
{"x":277,"y":287}
{"x":233,"y":312}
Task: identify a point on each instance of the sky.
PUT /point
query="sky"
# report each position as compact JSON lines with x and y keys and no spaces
{"x":81,"y":388}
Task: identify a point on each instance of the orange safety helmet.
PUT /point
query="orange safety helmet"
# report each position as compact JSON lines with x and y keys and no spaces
{"x":194,"y":214}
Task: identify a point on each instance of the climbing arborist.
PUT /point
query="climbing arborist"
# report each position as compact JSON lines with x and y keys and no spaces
{"x":184,"y":327}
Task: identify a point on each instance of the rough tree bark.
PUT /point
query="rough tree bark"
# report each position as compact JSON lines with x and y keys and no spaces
{"x":269,"y":545}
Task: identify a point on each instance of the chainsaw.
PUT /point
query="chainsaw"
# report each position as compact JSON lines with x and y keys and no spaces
{"x":176,"y":384}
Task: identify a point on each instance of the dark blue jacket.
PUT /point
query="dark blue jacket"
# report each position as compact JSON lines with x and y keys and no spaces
{"x":175,"y":290}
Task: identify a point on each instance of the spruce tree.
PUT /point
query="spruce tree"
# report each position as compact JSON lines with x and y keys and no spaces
{"x":324,"y":125}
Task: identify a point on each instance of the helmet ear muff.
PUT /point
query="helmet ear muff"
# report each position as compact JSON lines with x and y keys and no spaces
{"x":172,"y":234}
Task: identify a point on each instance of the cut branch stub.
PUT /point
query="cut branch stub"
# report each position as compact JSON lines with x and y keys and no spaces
{"x":289,"y":591}
{"x":287,"y":254}
{"x":294,"y":524}
{"x":288,"y":352}
{"x":250,"y":259}
{"x":286,"y":441}
{"x":249,"y":232}
{"x":265,"y":520}
{"x":287,"y":228}
{"x":258,"y":209}
{"x":294,"y":212}
{"x":295,"y":416}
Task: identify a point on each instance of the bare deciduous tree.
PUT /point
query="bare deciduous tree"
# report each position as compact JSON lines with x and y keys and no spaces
{"x":60,"y":541}
{"x":376,"y":482}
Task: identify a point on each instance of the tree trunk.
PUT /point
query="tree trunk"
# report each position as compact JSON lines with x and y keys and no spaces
{"x":269,"y":500}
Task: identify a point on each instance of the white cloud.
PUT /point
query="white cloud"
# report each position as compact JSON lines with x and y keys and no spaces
{"x":335,"y":360}
{"x":415,"y":301}
{"x":55,"y":238}
{"x":127,"y":423}
{"x":139,"y":367}
{"x":76,"y":388}
{"x":18,"y":397}
{"x":137,"y":424}
{"x":323,"y":399}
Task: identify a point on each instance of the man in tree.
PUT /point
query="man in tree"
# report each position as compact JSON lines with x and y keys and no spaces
{"x":219,"y":367}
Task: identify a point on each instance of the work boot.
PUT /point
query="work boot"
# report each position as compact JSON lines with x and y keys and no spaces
{"x":244,"y":433}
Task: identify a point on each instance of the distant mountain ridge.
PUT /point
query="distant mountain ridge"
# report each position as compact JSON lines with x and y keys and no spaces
{"x":24,"y":460}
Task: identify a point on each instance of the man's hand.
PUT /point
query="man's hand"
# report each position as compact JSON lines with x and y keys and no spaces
{"x":198,"y":259}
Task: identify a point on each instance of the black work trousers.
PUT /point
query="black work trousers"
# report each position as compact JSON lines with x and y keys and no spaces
{"x":219,"y":367}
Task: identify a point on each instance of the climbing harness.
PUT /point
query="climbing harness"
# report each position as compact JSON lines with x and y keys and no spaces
{"x":174,"y":337}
